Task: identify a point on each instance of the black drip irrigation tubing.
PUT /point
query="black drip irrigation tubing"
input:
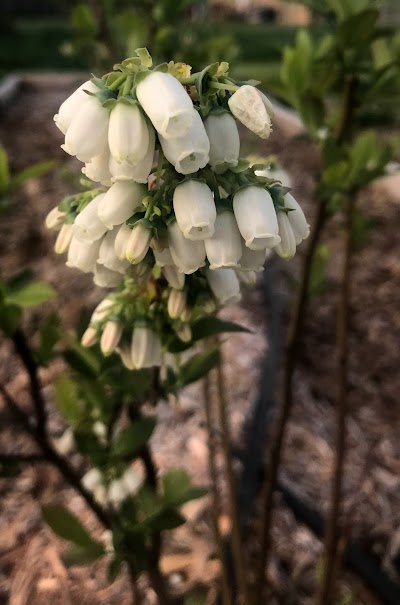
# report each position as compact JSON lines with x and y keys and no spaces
{"x":355,"y":557}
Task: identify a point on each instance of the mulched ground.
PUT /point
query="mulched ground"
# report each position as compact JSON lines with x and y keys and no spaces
{"x":31,"y":570}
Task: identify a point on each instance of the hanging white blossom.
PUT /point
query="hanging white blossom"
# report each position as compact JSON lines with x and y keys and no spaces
{"x":194,"y":209}
{"x":224,"y":141}
{"x":256,"y":217}
{"x":190,"y":151}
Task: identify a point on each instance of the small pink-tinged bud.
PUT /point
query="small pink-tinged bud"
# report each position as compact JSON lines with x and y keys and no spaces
{"x":89,"y":337}
{"x":126,"y":357}
{"x":186,"y":314}
{"x":63,"y":239}
{"x":110,"y":338}
{"x":176,"y":303}
{"x":184,"y":333}
{"x":138,"y":244}
{"x":55,"y":219}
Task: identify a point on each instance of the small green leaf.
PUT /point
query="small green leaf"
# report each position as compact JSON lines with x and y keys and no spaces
{"x":67,"y":399}
{"x":67,"y":526}
{"x":31,"y":172}
{"x":30,"y":295}
{"x":81,"y":360}
{"x":319,"y":267}
{"x":49,"y":336}
{"x":4,"y":171}
{"x":178,"y":488}
{"x":78,"y":555}
{"x":198,"y":366}
{"x":209,"y":326}
{"x":131,"y":440}
{"x":84,"y":20}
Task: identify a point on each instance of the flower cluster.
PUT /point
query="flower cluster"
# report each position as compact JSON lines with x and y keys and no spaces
{"x":177,"y":219}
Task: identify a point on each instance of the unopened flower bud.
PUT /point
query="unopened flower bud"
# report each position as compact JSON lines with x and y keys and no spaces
{"x":287,"y":246}
{"x":138,"y":244}
{"x":121,"y":241}
{"x":92,"y":479}
{"x":297,"y":220}
{"x":100,"y":430}
{"x":110,"y":338}
{"x":224,"y":141}
{"x":176,"y":303}
{"x":116,"y":492}
{"x":253,"y":109}
{"x":63,"y":239}
{"x":132,"y":481}
{"x":145,"y":348}
{"x":107,"y":255}
{"x":184,"y":333}
{"x":194,"y":209}
{"x":89,"y":337}
{"x":256,"y":218}
{"x":55,"y":219}
{"x":102,"y":310}
{"x":126,"y":357}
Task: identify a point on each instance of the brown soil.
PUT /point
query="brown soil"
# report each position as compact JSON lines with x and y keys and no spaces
{"x":31,"y":570}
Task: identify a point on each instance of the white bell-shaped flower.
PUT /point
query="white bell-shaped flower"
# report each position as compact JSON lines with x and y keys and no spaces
{"x":162,"y":257}
{"x":190,"y":151}
{"x":224,"y":248}
{"x":72,"y":105}
{"x":224,"y":141}
{"x":105,"y":278}
{"x":256,"y":217}
{"x":287,"y":246}
{"x":174,"y":277}
{"x":145,"y":348}
{"x":87,"y":134}
{"x":176,"y":303}
{"x":123,"y":171}
{"x":187,"y":255}
{"x":107,"y":255}
{"x":252,"y":108}
{"x":116,"y":492}
{"x":87,"y":226}
{"x":64,"y":239}
{"x":167,"y":104}
{"x":297,"y":220}
{"x":194,"y":209}
{"x":128,"y":134}
{"x":277,"y":174}
{"x":83,"y":255}
{"x":110,"y":337}
{"x":55,"y":219}
{"x":97,"y":169}
{"x":132,"y":481}
{"x":224,"y":285}
{"x":92,"y":479}
{"x":252,"y":260}
{"x":138,"y":244}
{"x":120,"y":202}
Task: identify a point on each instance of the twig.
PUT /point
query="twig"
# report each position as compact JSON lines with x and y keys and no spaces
{"x":326,"y":592}
{"x":237,"y":546}
{"x":25,"y":458}
{"x":291,"y":350}
{"x":216,"y":504}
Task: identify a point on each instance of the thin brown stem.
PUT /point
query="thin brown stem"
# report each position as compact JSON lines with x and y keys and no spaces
{"x":216,"y":504}
{"x":291,"y":352}
{"x":334,"y":531}
{"x":285,"y":404}
{"x":236,"y":540}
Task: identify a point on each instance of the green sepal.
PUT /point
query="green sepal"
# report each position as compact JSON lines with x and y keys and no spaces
{"x":99,"y":82}
{"x":242,"y":165}
{"x":163,"y":67}
{"x":144,"y":56}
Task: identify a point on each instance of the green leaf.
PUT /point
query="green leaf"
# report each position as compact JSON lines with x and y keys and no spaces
{"x":67,"y":526}
{"x":78,"y":555}
{"x":31,"y":172}
{"x":30,"y":295}
{"x":10,"y":318}
{"x":81,"y":360}
{"x":131,"y":440}
{"x":178,"y":488}
{"x":84,"y":20}
{"x":67,"y":399}
{"x":114,"y":569}
{"x":312,"y":111}
{"x":198,"y":366}
{"x":168,"y":518}
{"x":209,"y":326}
{"x":319,"y":267}
{"x":358,"y":29}
{"x":4,"y":171}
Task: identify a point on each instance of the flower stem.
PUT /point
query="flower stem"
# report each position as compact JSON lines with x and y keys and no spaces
{"x":216,"y":504}
{"x":327,"y":589}
{"x":237,"y":547}
{"x":220,"y":86}
{"x":117,"y":83}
